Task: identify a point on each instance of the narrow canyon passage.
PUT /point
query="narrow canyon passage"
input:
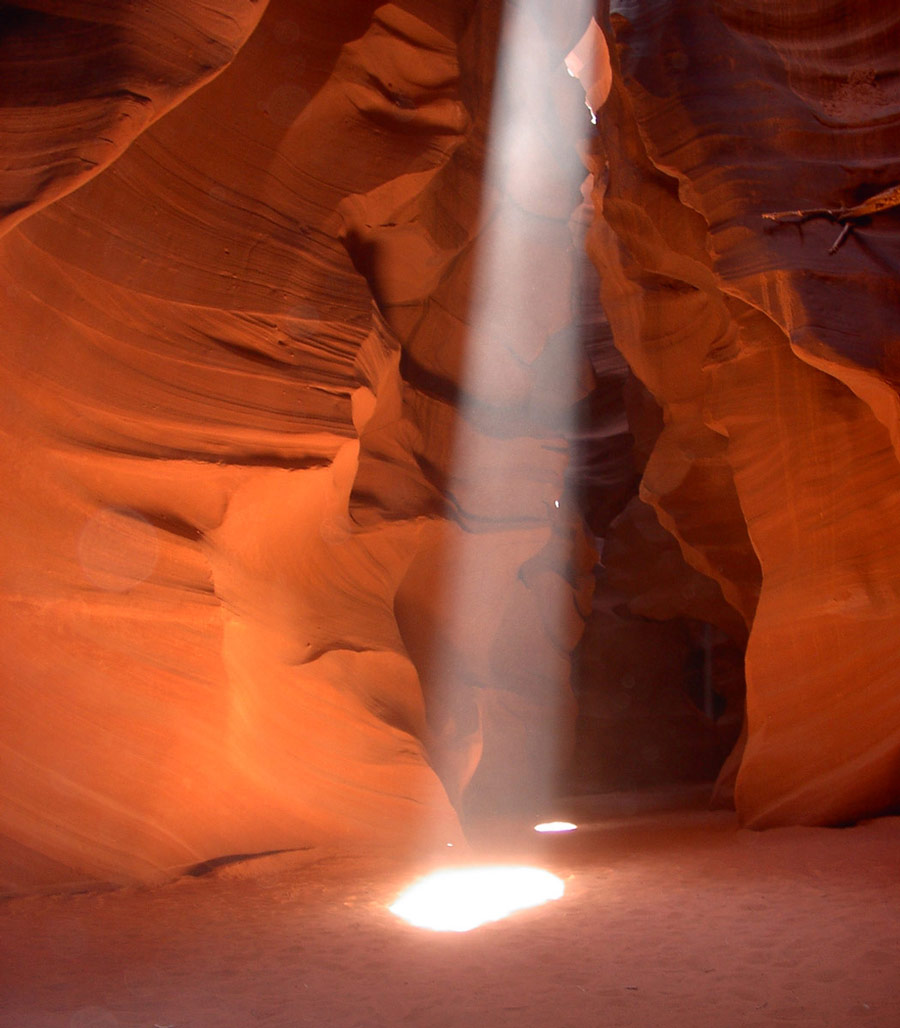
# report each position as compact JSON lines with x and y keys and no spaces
{"x":425,"y":418}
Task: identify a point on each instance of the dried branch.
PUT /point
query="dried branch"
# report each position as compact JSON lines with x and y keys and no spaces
{"x":845,"y":216}
{"x":800,"y":216}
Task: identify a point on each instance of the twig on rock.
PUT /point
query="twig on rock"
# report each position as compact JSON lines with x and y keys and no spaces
{"x":845,"y":231}
{"x":799,"y":216}
{"x":842,"y":215}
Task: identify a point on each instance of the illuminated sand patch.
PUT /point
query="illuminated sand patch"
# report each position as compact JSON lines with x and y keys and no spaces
{"x":555,"y":826}
{"x":460,"y":899}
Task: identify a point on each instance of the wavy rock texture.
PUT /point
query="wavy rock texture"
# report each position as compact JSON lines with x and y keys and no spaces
{"x":773,"y":360}
{"x":233,"y":378}
{"x":306,"y":392}
{"x":81,"y":80}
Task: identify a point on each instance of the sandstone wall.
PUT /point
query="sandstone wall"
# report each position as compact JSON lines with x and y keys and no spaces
{"x":772,"y":359}
{"x":233,"y":372}
{"x":308,"y":399}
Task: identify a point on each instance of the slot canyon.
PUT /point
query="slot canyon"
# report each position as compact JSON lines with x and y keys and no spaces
{"x":420,"y":420}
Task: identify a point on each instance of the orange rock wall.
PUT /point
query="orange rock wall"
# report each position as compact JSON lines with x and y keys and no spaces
{"x":772,"y":359}
{"x":232,"y":369}
{"x":306,"y":397}
{"x":81,"y":80}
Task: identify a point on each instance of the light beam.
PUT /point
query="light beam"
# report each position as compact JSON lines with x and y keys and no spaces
{"x":500,"y":704}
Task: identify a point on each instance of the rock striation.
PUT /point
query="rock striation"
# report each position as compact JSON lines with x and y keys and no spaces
{"x":316,"y":416}
{"x":82,"y":80}
{"x":771,"y":357}
{"x":234,"y":365}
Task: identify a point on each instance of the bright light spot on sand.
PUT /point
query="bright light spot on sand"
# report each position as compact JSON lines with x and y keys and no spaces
{"x":556,"y":504}
{"x":460,"y":899}
{"x":555,"y":826}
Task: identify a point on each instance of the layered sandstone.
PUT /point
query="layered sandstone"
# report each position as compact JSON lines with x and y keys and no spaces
{"x":81,"y":80}
{"x":772,"y":360}
{"x":234,"y":365}
{"x":312,"y":419}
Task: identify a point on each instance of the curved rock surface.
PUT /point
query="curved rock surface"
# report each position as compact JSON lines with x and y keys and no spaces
{"x":234,"y":370}
{"x":772,"y":360}
{"x":81,"y":80}
{"x":308,"y":400}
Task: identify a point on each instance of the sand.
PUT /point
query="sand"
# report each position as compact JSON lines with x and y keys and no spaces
{"x":671,"y":918}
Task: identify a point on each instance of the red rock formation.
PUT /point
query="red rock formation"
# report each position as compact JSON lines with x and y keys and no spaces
{"x":231,"y":489}
{"x":771,"y":359}
{"x":292,"y":551}
{"x":201,"y":655}
{"x":81,"y":80}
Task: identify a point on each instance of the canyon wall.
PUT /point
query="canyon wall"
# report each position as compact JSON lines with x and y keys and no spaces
{"x":313,"y":425}
{"x":772,"y":356}
{"x":237,"y":384}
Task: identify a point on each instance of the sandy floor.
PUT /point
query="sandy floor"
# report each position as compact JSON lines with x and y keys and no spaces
{"x":670,"y":919}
